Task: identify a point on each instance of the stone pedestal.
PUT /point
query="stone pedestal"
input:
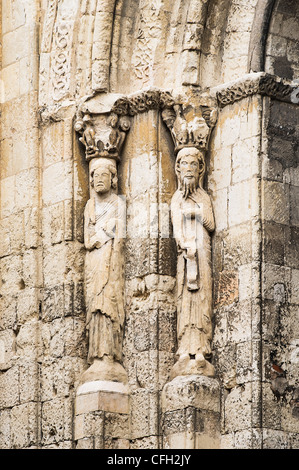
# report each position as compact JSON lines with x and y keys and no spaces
{"x":102,"y":415}
{"x":191,"y":413}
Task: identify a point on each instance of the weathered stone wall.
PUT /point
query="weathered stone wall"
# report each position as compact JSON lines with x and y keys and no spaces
{"x":54,"y":55}
{"x":283,"y":39}
{"x":21,"y":275}
{"x":280,"y":273}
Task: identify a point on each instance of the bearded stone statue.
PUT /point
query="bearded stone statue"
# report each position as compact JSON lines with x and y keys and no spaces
{"x":193,"y":221}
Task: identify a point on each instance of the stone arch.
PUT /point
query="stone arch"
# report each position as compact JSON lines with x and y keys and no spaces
{"x":281,"y":55}
{"x":157,"y":44}
{"x":257,"y":48}
{"x":227,"y":41}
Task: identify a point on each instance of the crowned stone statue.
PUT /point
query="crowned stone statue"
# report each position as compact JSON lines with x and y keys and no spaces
{"x":104,"y":234}
{"x":193,"y":221}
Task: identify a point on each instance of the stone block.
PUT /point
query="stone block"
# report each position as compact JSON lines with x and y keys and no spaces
{"x":226,"y":288}
{"x":271,"y":409}
{"x":27,"y":191}
{"x":237,"y":409}
{"x":239,"y":321}
{"x":89,"y":425}
{"x":24,"y":425}
{"x":272,"y":169}
{"x":9,"y":388}
{"x":85,"y":443}
{"x":8,"y":306}
{"x":245,"y":159}
{"x":11,"y":275}
{"x":274,"y":243}
{"x":144,"y":413}
{"x":16,"y":45}
{"x":5,"y":433}
{"x":282,"y":149}
{"x":7,"y":347}
{"x":30,"y":269}
{"x":27,"y":340}
{"x":58,"y":376}
{"x":53,"y":143}
{"x":197,"y":391}
{"x":241,"y":202}
{"x":31,"y":227}
{"x":294,"y":205}
{"x":271,"y":320}
{"x":190,"y":66}
{"x":220,"y":168}
{"x":275,"y":439}
{"x":54,"y":273}
{"x":29,"y":380}
{"x":276,"y":202}
{"x":57,"y":421}
{"x":295,"y":286}
{"x":102,"y":396}
{"x":289,"y":29}
{"x":274,"y":275}
{"x":245,"y":282}
{"x":8,"y":202}
{"x":237,"y":246}
{"x":7,"y":158}
{"x":12,"y":235}
{"x":11,"y":82}
{"x":117,"y":426}
{"x":53,"y":303}
{"x":57,"y":182}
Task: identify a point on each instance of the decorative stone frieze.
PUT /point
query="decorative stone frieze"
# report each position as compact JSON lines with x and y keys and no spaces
{"x":257,"y":83}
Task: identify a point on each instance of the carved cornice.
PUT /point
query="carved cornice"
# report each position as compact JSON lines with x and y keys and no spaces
{"x":257,"y":83}
{"x":142,"y":102}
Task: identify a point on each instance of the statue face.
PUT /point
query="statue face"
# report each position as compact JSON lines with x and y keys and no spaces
{"x":189,"y":167}
{"x":102,"y":180}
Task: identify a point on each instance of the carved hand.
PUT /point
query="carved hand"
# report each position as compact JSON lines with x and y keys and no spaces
{"x":109,"y":228}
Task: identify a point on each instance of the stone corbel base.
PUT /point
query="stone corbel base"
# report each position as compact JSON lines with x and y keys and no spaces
{"x":102,"y":415}
{"x":191,"y":413}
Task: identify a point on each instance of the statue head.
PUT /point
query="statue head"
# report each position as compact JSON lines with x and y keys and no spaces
{"x":190,"y":169}
{"x":103,"y":175}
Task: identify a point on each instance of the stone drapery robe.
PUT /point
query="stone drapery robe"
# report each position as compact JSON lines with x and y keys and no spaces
{"x":194,"y":276}
{"x":104,"y":276}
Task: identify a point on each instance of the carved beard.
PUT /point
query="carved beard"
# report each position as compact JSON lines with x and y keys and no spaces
{"x":188,"y":186}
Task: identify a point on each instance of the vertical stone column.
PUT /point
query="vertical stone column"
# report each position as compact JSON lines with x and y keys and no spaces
{"x":102,"y":419}
{"x":148,"y":182}
{"x":253,"y":178}
{"x":191,"y":400}
{"x":191,"y":413}
{"x":234,"y":180}
{"x":280,"y":272}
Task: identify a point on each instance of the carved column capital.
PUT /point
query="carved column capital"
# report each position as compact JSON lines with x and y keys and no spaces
{"x":190,"y":121}
{"x":102,"y":139}
{"x":103,"y":122}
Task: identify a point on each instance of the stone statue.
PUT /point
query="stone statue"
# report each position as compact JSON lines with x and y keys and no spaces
{"x":104,"y":273}
{"x":193,"y":221}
